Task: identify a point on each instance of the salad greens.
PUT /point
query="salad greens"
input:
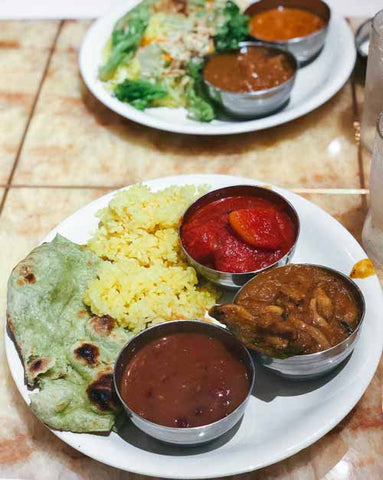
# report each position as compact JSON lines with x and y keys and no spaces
{"x":197,"y":101}
{"x":155,"y":54}
{"x":138,"y":93}
{"x":126,"y":37}
{"x":233,"y":31}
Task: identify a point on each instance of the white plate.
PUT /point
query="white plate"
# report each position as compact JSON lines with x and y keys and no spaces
{"x":284,"y":416}
{"x":315,"y":83}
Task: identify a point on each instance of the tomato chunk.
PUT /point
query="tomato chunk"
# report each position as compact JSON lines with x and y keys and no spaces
{"x":200,"y":239}
{"x":258,"y":227}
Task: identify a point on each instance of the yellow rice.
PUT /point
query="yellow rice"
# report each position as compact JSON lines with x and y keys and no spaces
{"x":145,"y":278}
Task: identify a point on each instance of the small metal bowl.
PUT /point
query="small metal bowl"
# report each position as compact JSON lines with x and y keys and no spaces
{"x":314,"y":365}
{"x":192,"y":435}
{"x":258,"y":103}
{"x":305,"y":49}
{"x":237,"y":280}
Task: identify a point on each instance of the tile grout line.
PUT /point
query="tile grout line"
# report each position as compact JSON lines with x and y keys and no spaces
{"x":31,"y":113}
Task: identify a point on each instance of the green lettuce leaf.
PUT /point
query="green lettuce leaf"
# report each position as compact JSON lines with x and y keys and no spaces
{"x":139,"y":93}
{"x":126,"y":38}
{"x":233,"y":31}
{"x":198,"y":102}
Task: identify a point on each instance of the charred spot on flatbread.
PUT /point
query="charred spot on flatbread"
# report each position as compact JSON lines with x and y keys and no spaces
{"x":39,"y":365}
{"x":26,"y":274}
{"x":101,"y":392}
{"x":30,"y":278}
{"x":103,"y":325}
{"x":87,"y":353}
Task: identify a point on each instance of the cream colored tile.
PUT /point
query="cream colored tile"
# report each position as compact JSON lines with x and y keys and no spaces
{"x":74,"y":140}
{"x":72,"y":34}
{"x":24,"y":50}
{"x":33,"y":35}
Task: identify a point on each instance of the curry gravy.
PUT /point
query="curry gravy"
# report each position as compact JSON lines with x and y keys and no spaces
{"x":292,"y":310}
{"x":250,"y":69}
{"x":279,"y":24}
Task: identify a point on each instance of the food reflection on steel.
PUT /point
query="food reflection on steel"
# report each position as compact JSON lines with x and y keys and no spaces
{"x":292,"y":310}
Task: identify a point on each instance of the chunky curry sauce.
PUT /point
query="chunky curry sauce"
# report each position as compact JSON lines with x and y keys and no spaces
{"x":297,"y":309}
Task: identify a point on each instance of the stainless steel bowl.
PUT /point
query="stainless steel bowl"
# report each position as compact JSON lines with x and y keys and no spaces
{"x":260,"y":102}
{"x":194,"y":435}
{"x":236,"y":280}
{"x":305,"y":48}
{"x":304,"y":367}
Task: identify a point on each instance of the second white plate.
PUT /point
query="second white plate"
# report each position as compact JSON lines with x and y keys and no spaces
{"x":315,"y":84}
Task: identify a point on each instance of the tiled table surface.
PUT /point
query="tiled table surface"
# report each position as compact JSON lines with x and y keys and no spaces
{"x":60,"y":148}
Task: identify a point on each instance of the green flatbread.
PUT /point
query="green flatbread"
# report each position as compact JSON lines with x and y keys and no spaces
{"x":67,"y":353}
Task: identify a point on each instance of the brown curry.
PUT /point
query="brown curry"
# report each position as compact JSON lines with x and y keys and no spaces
{"x":250,"y":69}
{"x":297,"y":309}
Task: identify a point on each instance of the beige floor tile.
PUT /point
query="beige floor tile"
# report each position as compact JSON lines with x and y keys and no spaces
{"x":74,"y":140}
{"x":34,"y":35}
{"x":24,"y":47}
{"x":72,"y":34}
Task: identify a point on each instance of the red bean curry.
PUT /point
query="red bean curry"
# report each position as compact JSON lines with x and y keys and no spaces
{"x":184,"y":380}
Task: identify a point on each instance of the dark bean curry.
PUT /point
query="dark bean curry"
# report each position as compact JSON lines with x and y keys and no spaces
{"x":298,"y":309}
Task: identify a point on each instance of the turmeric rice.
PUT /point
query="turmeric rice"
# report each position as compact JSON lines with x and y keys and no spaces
{"x":145,"y":278}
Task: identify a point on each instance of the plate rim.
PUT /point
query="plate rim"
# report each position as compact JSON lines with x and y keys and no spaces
{"x":319,"y":433}
{"x":200,"y":128}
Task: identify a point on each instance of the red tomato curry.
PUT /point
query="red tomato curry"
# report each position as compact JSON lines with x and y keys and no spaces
{"x":239,"y":234}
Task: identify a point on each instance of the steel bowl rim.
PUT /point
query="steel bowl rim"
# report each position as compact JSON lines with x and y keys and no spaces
{"x":348,"y":280}
{"x":294,"y":40}
{"x":253,"y":272}
{"x":188,"y":429}
{"x":254,"y":93}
